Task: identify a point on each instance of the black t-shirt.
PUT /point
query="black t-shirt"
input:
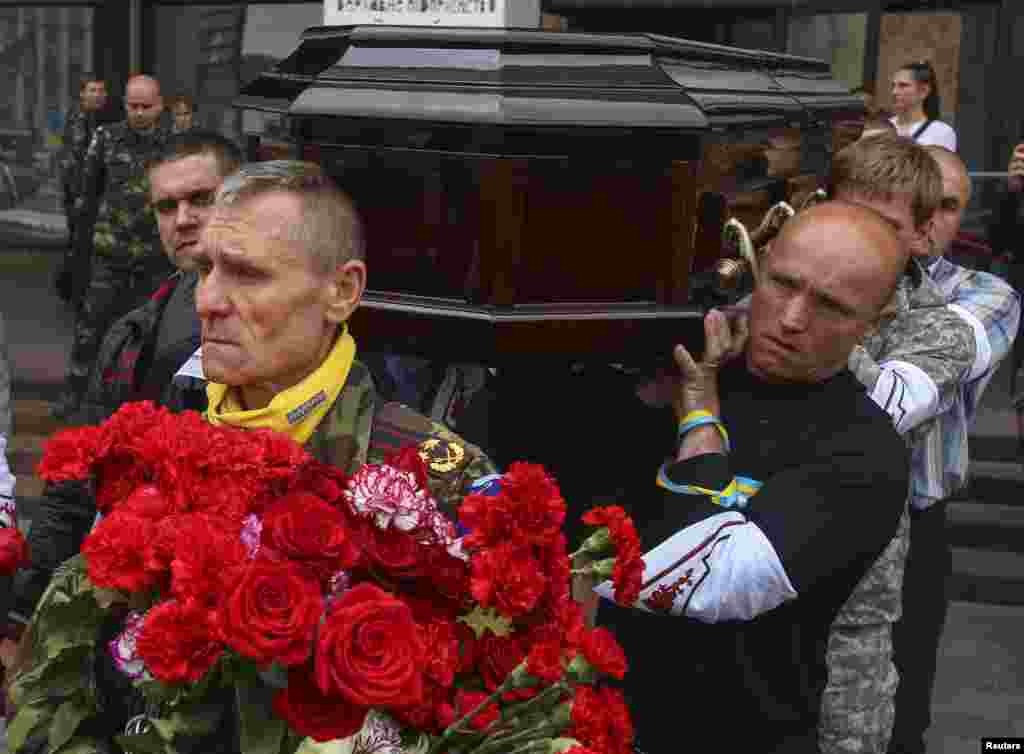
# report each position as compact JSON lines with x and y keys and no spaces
{"x":835,"y":478}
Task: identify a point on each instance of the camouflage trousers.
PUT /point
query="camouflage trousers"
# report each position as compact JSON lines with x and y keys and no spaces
{"x":115,"y":288}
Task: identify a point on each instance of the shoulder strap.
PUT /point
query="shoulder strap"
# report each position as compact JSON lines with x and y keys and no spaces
{"x":921,"y":129}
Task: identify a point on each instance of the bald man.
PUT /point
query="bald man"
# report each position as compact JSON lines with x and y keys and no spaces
{"x":128,"y":263}
{"x":786,"y":485}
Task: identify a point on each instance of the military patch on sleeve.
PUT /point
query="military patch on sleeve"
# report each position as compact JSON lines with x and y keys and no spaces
{"x":442,"y":456}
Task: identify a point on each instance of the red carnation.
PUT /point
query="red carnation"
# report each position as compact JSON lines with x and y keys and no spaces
{"x":272,"y":613}
{"x":409,"y":459}
{"x":467,"y":701}
{"x":528,"y":508}
{"x":70,"y":454}
{"x":177,"y":642}
{"x":148,"y":501}
{"x":13,"y":550}
{"x":160,"y":549}
{"x":628,"y":571}
{"x":208,"y":552}
{"x":600,"y":720}
{"x":497,"y":656}
{"x":441,"y":641}
{"x":303,"y":528}
{"x":628,"y":575}
{"x":604,"y":652}
{"x":545,"y":661}
{"x":309,"y":713}
{"x":370,"y":650}
{"x":507,"y":577}
{"x":115,"y":553}
{"x":117,"y":477}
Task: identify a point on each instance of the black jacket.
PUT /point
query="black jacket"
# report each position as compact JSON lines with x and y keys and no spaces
{"x":137,"y":361}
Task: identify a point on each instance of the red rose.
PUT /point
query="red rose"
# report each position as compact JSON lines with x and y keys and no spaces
{"x":177,"y":642}
{"x":323,"y":480}
{"x":208,"y":552}
{"x":604,"y":652}
{"x":13,"y":550}
{"x":310,"y":713}
{"x":397,"y":553}
{"x":545,"y":661}
{"x":445,"y":581}
{"x":370,"y":651}
{"x":302,"y":527}
{"x":272,"y":613}
{"x":507,"y":577}
{"x":600,"y":720}
{"x":115,"y":553}
{"x":467,"y":701}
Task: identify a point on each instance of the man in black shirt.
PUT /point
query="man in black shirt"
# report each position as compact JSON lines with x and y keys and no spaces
{"x":787,"y":485}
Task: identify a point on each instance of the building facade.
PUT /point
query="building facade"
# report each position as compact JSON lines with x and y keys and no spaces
{"x":208,"y":50}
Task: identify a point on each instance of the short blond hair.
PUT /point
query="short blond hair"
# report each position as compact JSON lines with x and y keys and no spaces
{"x":330,"y":226}
{"x":885,"y":166}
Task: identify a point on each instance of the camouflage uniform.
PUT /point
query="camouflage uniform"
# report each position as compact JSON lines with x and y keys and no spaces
{"x":77,"y":134}
{"x":128,"y":260}
{"x":858,"y":708}
{"x":62,"y":680}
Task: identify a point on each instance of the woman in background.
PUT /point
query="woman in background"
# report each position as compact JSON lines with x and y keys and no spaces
{"x":917,"y":107}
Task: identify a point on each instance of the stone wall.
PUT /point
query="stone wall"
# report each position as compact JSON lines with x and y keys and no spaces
{"x":913,"y":37}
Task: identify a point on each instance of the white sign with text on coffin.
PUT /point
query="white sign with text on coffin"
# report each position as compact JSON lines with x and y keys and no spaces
{"x":492,"y":13}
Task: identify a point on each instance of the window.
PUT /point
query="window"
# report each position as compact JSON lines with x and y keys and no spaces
{"x":43,"y":54}
{"x":838,"y":38}
{"x":208,"y":52}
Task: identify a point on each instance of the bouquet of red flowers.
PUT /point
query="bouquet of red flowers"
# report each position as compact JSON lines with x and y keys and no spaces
{"x":244,"y":561}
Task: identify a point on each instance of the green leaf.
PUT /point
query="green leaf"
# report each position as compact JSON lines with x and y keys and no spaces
{"x":145,"y":743}
{"x":27,"y":719}
{"x":260,"y":732}
{"x":67,"y":719}
{"x":57,"y":679}
{"x":82,"y":745}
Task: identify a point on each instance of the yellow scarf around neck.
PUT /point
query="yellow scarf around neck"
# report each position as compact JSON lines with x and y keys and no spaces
{"x":296,"y":411}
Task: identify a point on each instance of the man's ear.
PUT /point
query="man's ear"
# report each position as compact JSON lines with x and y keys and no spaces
{"x":345,"y":290}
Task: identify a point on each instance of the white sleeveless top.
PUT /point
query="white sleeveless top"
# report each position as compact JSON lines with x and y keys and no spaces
{"x":938,"y":133}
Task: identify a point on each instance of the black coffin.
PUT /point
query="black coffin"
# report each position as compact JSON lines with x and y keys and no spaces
{"x":534,"y":194}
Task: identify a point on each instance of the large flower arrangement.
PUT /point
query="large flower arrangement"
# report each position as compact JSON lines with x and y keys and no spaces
{"x":368,"y":612}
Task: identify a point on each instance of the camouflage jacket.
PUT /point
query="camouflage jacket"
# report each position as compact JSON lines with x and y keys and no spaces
{"x":115,"y":190}
{"x":912,"y":366}
{"x":78,"y":130}
{"x":69,"y":698}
